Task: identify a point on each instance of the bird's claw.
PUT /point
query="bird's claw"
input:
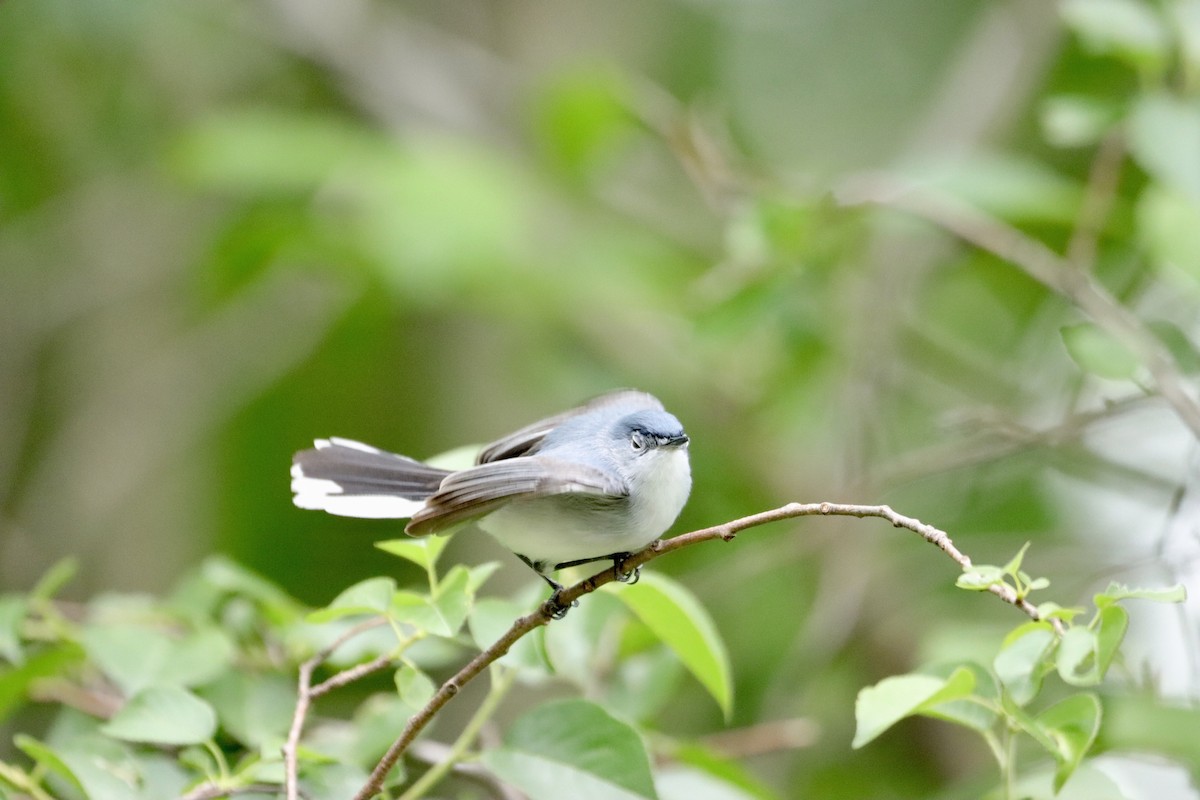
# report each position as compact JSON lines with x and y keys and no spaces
{"x":629,"y":577}
{"x":558,"y":609}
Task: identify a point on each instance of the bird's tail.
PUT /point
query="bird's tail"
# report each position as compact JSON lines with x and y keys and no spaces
{"x":352,"y":479}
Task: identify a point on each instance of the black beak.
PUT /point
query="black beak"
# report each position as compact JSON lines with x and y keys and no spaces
{"x":678,"y":441}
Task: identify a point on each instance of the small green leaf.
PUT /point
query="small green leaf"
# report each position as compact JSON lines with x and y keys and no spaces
{"x":968,"y":712}
{"x":1118,"y":591}
{"x":423,"y":551}
{"x":1022,"y":661}
{"x":980,"y":577}
{"x":12,"y":613}
{"x":1076,"y":658}
{"x":54,"y":579}
{"x":414,"y":686}
{"x":478,"y":575}
{"x":881,"y":706}
{"x":1052,"y":610}
{"x":1037,"y":583}
{"x":573,"y":748}
{"x":1073,"y":724}
{"x":452,"y":601}
{"x":46,"y":759}
{"x":1097,"y":352}
{"x":1163,"y":131}
{"x":165,"y":715}
{"x":1013,"y":567}
{"x":1114,"y":621}
{"x":1077,"y":120}
{"x":1168,"y":226}
{"x":676,"y":617}
{"x":370,"y":596}
{"x":1121,"y":27}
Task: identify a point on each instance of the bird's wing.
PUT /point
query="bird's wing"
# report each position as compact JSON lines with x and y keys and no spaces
{"x":480,"y":490}
{"x":522,"y":442}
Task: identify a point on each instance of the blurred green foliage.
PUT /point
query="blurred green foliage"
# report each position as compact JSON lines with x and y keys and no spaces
{"x":227,"y":228}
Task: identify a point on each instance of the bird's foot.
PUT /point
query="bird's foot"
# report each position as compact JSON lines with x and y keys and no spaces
{"x":555,"y":605}
{"x":630,"y":576}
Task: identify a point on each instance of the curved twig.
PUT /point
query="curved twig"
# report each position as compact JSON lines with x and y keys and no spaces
{"x":726,"y":531}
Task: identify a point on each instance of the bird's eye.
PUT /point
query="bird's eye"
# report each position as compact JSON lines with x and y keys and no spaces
{"x":637,"y":440}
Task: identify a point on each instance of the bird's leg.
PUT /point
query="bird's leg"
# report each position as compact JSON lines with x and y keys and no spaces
{"x":618,"y":560}
{"x":560,"y":608}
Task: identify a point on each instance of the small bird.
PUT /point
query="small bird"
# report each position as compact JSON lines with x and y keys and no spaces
{"x":594,"y":483}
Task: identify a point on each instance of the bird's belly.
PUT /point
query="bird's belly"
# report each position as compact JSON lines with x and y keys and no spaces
{"x":566,"y":528}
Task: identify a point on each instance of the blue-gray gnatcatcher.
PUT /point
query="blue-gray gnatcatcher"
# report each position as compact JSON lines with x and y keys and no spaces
{"x":593,"y":483}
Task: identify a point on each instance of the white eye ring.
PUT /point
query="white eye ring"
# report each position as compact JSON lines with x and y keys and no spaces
{"x":637,"y":440}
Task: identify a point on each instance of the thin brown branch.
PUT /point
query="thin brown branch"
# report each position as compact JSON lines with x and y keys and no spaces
{"x":1098,"y":200}
{"x":726,"y":531}
{"x":306,"y":692}
{"x":1045,"y":266}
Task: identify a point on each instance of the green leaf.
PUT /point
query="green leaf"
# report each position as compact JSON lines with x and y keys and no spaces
{"x":54,"y":579}
{"x":1117,"y":592}
{"x":1021,"y":663}
{"x":1076,"y":659}
{"x":1098,"y":352}
{"x":678,"y":782}
{"x":1052,"y":610}
{"x":233,"y":578}
{"x":12,"y":614}
{"x":370,"y":596}
{"x":980,"y":577}
{"x":1125,"y":28}
{"x":1073,"y":724}
{"x":490,"y":618}
{"x":573,"y":748}
{"x":270,"y":151}
{"x":1163,"y":131}
{"x":47,"y":759}
{"x":423,"y":551}
{"x":164,"y":715}
{"x":255,"y":709}
{"x":452,"y":601}
{"x":1013,"y":567}
{"x":966,"y":712}
{"x":881,"y":706}
{"x":135,"y":656}
{"x":676,"y":617}
{"x":1168,"y":226}
{"x":1077,"y":120}
{"x":47,"y":663}
{"x":1186,"y":356}
{"x":414,"y":686}
{"x":1114,"y":621}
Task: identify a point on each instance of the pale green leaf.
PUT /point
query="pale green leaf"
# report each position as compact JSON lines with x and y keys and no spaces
{"x":59,"y":574}
{"x":1021,"y":663}
{"x":370,"y":596}
{"x":1163,"y":131}
{"x":1098,"y":352}
{"x":12,"y":613}
{"x":576,"y":749}
{"x":676,"y":617}
{"x":881,"y":706}
{"x":164,"y":715}
{"x":1073,"y":724}
{"x":423,"y":551}
{"x":1117,"y":592}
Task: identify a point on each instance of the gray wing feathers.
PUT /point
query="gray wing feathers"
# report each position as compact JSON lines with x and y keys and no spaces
{"x":474,"y":492}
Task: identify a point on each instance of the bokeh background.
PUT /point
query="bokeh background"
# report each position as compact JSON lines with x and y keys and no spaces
{"x":227,"y":228}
